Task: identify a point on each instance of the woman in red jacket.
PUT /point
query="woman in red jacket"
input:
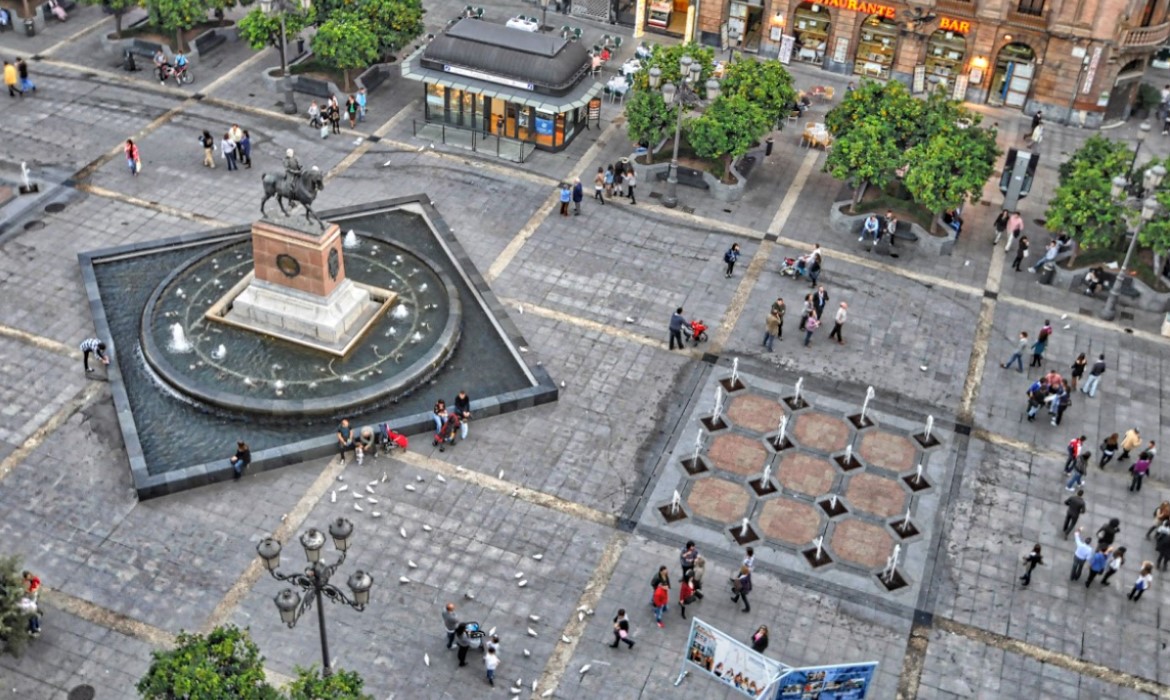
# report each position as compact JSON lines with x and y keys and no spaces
{"x":661,"y":598}
{"x":686,"y":594}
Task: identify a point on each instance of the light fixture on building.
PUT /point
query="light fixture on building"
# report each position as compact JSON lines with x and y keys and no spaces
{"x":816,"y":7}
{"x":979,"y":62}
{"x":1007,"y":37}
{"x":778,"y":20}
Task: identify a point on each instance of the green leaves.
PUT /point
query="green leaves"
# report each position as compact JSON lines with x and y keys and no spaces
{"x":13,"y":622}
{"x":259,"y":30}
{"x":176,"y":15}
{"x":223,"y":664}
{"x":341,"y":685}
{"x":347,"y":41}
{"x":396,"y":22}
{"x":867,"y":152}
{"x":1083,"y":205}
{"x":666,"y":58}
{"x":765,"y":83}
{"x":648,"y":118}
{"x":118,"y":8}
{"x":728,"y":128}
{"x":950,"y":167}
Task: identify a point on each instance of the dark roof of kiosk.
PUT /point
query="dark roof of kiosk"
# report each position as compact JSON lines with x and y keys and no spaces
{"x":548,"y":61}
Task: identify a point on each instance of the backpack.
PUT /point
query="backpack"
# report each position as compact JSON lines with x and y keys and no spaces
{"x":729,"y":256}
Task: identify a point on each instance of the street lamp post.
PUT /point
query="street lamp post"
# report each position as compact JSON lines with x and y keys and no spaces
{"x":1144,"y":127}
{"x":690,"y":71}
{"x":543,"y":14}
{"x":315,"y":580}
{"x":1134,"y":220}
{"x":267,"y":6}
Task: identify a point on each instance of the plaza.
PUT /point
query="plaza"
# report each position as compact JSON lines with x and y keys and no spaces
{"x":582,"y":481}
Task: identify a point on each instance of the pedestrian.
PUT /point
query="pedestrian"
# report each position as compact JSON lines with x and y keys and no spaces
{"x":621,"y":630}
{"x":872,"y":228}
{"x":1061,"y":403}
{"x":463,"y":409}
{"x":1045,"y":331}
{"x":95,"y":347}
{"x":235,"y":133}
{"x":1031,"y":561}
{"x":1116,"y":561}
{"x":630,"y":183}
{"x":687,"y":556}
{"x":609,"y":180}
{"x":1001,"y":223}
{"x":31,"y":583}
{"x":578,"y":195}
{"x":890,"y":226}
{"x":207,"y":141}
{"x":659,"y":601}
{"x":810,"y":324}
{"x":1038,"y":348}
{"x":820,"y":300}
{"x":599,"y":185}
{"x":1077,"y":370}
{"x":1098,"y":563}
{"x":1144,"y":580}
{"x":838,"y":322}
{"x":133,"y":158}
{"x":686,"y":594}
{"x":1108,"y":449}
{"x":760,"y":640}
{"x":749,"y":558}
{"x":314,"y":113}
{"x":1151,"y":450}
{"x":245,"y":149}
{"x":361,"y":104}
{"x":676,"y":323}
{"x":779,"y":309}
{"x":28,"y":606}
{"x":463,"y":641}
{"x":1162,"y":544}
{"x":740,"y":587}
{"x":450,"y":624}
{"x":1095,"y":373}
{"x":1161,"y":515}
{"x":1139,"y":470}
{"x":1076,"y":478}
{"x":697,"y":575}
{"x":344,"y":439}
{"x":1018,"y":355}
{"x":1083,"y":551}
{"x":11,"y":80}
{"x":228,"y":147}
{"x":490,"y":663}
{"x":730,"y":257}
{"x":1073,"y":451}
{"x":241,"y":459}
{"x":661,"y":577}
{"x":771,"y":329}
{"x":1037,"y":393}
{"x":814,"y":268}
{"x":1131,"y":441}
{"x":1107,"y":533}
{"x":26,"y":85}
{"x":566,"y":196}
{"x":335,"y":114}
{"x":1021,"y":253}
{"x":351,"y":110}
{"x":1015,"y":227}
{"x":1075,"y":507}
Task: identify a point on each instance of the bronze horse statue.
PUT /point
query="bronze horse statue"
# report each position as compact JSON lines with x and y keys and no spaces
{"x":301,"y":188}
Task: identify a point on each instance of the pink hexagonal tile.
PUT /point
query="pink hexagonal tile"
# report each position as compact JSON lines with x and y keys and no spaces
{"x":821,"y":432}
{"x":789,"y":521}
{"x":876,"y":494}
{"x":862,"y":543}
{"x":806,"y":473}
{"x":755,"y":412}
{"x":719,"y":499}
{"x":737,"y":454}
{"x":894,"y":452}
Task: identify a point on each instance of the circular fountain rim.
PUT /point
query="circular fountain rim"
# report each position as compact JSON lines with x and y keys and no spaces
{"x":396,"y":386}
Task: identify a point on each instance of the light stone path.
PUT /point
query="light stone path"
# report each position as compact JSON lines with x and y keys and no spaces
{"x":561,"y":465}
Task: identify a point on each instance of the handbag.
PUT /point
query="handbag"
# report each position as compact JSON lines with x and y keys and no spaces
{"x":690,"y":599}
{"x":137,"y":166}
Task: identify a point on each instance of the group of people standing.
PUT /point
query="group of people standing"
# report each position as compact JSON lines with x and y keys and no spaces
{"x":235,"y":147}
{"x":690,"y":592}
{"x":328,"y":118}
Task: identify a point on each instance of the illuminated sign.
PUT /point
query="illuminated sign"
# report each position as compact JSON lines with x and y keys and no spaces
{"x":480,"y":75}
{"x":954,"y":25}
{"x":868,"y":8}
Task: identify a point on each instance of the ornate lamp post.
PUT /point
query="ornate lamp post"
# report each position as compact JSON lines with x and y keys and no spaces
{"x":315,"y":580}
{"x":544,"y":13}
{"x":280,"y":6}
{"x":690,"y":71}
{"x":1138,"y":212}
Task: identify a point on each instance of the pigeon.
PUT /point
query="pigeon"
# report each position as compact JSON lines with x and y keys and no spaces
{"x":333,"y":497}
{"x":515,"y":691}
{"x":519,"y":574}
{"x":520,"y":309}
{"x":566,"y":639}
{"x":531,"y":632}
{"x":534,"y":618}
{"x":1067,"y":326}
{"x":527,"y":653}
{"x":403,"y":579}
{"x":371,"y":499}
{"x":411,"y":564}
{"x":534,"y":685}
{"x":427,"y":659}
{"x":370,"y":489}
{"x":523,"y":348}
{"x":426,"y":528}
{"x":580,"y":617}
{"x":459,"y":468}
{"x":1063,"y":317}
{"x":523,"y":583}
{"x":548,"y":693}
{"x":358,"y":141}
{"x":515,"y":493}
{"x":418,"y":478}
{"x":585,"y":669}
{"x":383,"y":477}
{"x":469,"y":595}
{"x":501,"y":475}
{"x":357,"y":508}
{"x":410,"y":487}
{"x":629,"y":319}
{"x":519,"y":682}
{"x":376,"y":514}
{"x":402,"y":531}
{"x":373,"y":483}
{"x":583,"y":608}
{"x":344,"y":488}
{"x":538,"y":557}
{"x":562,"y":383}
{"x":357,"y":496}
{"x":441,"y":479}
{"x":284,"y":517}
{"x":340,"y":477}
{"x":589,"y":611}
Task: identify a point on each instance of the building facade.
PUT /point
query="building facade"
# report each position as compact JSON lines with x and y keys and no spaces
{"x":1078,"y":59}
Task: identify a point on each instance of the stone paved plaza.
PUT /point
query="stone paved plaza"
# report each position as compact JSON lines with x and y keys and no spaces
{"x":581,"y":482}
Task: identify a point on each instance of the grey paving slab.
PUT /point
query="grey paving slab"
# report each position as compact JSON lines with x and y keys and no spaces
{"x":33,"y":386}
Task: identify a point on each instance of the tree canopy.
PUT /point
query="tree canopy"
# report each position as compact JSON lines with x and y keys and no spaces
{"x":951,"y":166}
{"x":727,"y":129}
{"x":260,"y":30}
{"x":118,"y":8}
{"x":666,"y":59}
{"x":340,"y":685}
{"x":13,"y":621}
{"x":223,"y":664}
{"x":396,"y":22}
{"x":347,"y":41}
{"x":1082,"y":205}
{"x":648,"y":118}
{"x":865,"y":154}
{"x":764,"y":83}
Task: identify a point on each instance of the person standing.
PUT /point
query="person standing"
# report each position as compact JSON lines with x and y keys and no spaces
{"x":1001,"y":223}
{"x":676,"y":324}
{"x":490,"y":663}
{"x":599,"y":185}
{"x":1061,"y":403}
{"x":621,"y":630}
{"x":1038,"y":348}
{"x":26,"y":85}
{"x":1018,"y":356}
{"x":566,"y":196}
{"x":463,"y":641}
{"x":133,"y":158}
{"x":1077,"y":370}
{"x":771,"y":329}
{"x":814,"y":267}
{"x":1074,"y":452}
{"x":11,"y":80}
{"x":1144,"y":580}
{"x":228,"y":147}
{"x":697,"y":575}
{"x":450,"y":623}
{"x":890,"y":226}
{"x":1161,"y":515}
{"x":1131,"y":441}
{"x":95,"y":347}
{"x":1076,"y":478}
{"x":838,"y":323}
{"x":241,"y":459}
{"x":335,"y":114}
{"x":659,"y":601}
{"x":686,"y":594}
{"x":820,"y":300}
{"x":741,"y":586}
{"x":1075,"y":507}
{"x":463,"y":408}
{"x":361,"y":104}
{"x":1095,"y":373}
{"x":1139,"y":470}
{"x":779,"y":308}
{"x":730,"y":257}
{"x":1116,"y":561}
{"x":760,"y":640}
{"x":1098,"y":563}
{"x":631,"y":181}
{"x":207,"y":141}
{"x":1083,"y":551}
{"x":1162,"y":544}
{"x":810,"y":324}
{"x":344,"y":439}
{"x":618,"y":187}
{"x":1108,"y":449}
{"x":351,"y":110}
{"x":1031,"y":561}
{"x":661,"y":578}
{"x":1021,"y":253}
{"x":578,"y":195}
{"x":245,"y":148}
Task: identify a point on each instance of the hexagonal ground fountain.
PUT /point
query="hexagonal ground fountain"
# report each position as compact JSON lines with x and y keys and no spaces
{"x":904,"y":528}
{"x":816,"y":556}
{"x":744,"y":534}
{"x":833,"y":506}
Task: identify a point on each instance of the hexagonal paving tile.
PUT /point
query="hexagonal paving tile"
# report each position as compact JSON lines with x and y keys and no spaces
{"x":876,"y":494}
{"x":755,"y":412}
{"x":821,"y":432}
{"x":719,"y":499}
{"x":894,"y":452}
{"x":790,"y":521}
{"x":862,"y":543}
{"x":806,"y":473}
{"x":737,"y":454}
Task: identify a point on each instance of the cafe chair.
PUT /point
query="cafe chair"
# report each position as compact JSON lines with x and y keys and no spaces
{"x":827,"y":95}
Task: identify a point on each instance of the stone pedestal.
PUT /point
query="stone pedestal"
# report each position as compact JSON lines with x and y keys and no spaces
{"x":302,"y":259}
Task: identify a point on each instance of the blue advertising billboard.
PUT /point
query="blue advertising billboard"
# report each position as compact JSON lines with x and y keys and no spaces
{"x":841,"y":682}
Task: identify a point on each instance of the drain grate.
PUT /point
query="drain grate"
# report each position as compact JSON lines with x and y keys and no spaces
{"x":655,"y":195}
{"x":34,"y":225}
{"x":82,"y":692}
{"x":1126,"y":316}
{"x":54,"y":207}
{"x":689,"y":210}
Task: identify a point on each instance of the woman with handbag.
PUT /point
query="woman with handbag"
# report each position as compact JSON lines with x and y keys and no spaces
{"x":621,"y":630}
{"x":741,"y":586}
{"x":811,"y":323}
{"x":760,"y":639}
{"x":133,"y":160}
{"x":686,"y":594}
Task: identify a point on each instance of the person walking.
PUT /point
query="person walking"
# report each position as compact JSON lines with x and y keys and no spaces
{"x":609,"y":180}
{"x":659,"y":601}
{"x":630,"y":181}
{"x":1076,"y":478}
{"x":490,"y":663}
{"x":578,"y":195}
{"x":1038,"y":348}
{"x":1139,"y":470}
{"x":730,"y":257}
{"x":463,"y":642}
{"x":599,"y":185}
{"x":1162,"y":544}
{"x":661,"y":578}
{"x":820,"y":300}
{"x":621,"y":630}
{"x":1031,"y":561}
{"x":1116,"y":561}
{"x":241,"y":459}
{"x":806,"y":309}
{"x":697,"y":575}
{"x":1161,"y":515}
{"x":1098,"y":563}
{"x":133,"y":158}
{"x":1107,"y":533}
{"x":771,"y":329}
{"x":1074,"y":508}
{"x":749,"y":558}
{"x":566,"y":196}
{"x":1073,"y":450}
{"x":1081,"y":555}
{"x":207,"y":141}
{"x":760,"y":639}
{"x":1021,"y":253}
{"x":1144,"y":580}
{"x":450,"y":623}
{"x":810,"y":324}
{"x":1077,"y":370}
{"x":245,"y":149}
{"x":1018,"y":356}
{"x":361,"y":104}
{"x":838,"y":323}
{"x":676,"y":325}
{"x":1015,"y":227}
{"x":1001,"y":223}
{"x":228,"y":148}
{"x":11,"y":79}
{"x":1061,"y":403}
{"x":687,"y":556}
{"x":1108,"y":448}
{"x":1094,"y":379}
{"x":779,"y":309}
{"x":1131,"y":441}
{"x":741,"y":586}
{"x":814,"y":267}
{"x":95,"y":347}
{"x":686,"y":594}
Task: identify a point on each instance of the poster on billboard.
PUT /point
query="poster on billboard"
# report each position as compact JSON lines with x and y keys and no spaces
{"x":719,"y":656}
{"x":840,"y":682}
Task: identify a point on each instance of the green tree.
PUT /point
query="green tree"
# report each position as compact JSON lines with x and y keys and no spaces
{"x":666,"y":59}
{"x":891,"y":102}
{"x":951,"y":166}
{"x":648,"y":118}
{"x":1082,"y":205}
{"x":176,"y":16}
{"x":865,"y":154}
{"x":347,"y":41}
{"x":397,"y":22}
{"x":260,"y":30}
{"x":118,"y":8}
{"x":1108,"y":156}
{"x":765,"y":83}
{"x":13,"y":621}
{"x":223,"y":664}
{"x":340,"y":685}
{"x":727,"y":129}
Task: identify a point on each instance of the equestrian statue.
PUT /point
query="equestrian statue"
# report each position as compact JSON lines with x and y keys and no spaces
{"x":294,"y":185}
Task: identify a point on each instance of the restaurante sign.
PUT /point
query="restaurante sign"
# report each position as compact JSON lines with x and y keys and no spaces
{"x":869,"y":8}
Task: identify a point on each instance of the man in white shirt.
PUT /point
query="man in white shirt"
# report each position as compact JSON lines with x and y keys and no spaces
{"x":1081,"y":555}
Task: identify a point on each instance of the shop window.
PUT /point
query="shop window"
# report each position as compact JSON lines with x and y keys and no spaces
{"x":811,"y":28}
{"x":436,"y":101}
{"x":877,"y":47}
{"x":545,"y":128}
{"x":945,"y":53}
{"x":1031,"y":7}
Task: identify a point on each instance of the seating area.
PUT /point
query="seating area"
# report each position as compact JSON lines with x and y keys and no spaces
{"x":816,"y":134}
{"x":206,"y":42}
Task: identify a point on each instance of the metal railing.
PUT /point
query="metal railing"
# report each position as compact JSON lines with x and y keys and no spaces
{"x":473,"y":139}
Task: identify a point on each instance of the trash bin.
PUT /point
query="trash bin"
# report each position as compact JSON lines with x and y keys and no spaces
{"x":1047,"y":272}
{"x":768,"y":146}
{"x":30,"y":27}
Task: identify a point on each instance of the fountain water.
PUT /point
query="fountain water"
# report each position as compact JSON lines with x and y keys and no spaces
{"x":849,"y":454}
{"x":718,"y":412}
{"x":796,"y":393}
{"x":734,"y":374}
{"x":833,"y":502}
{"x":892,"y":564}
{"x":906,"y":521}
{"x":865,"y":405}
{"x":743,"y":529}
{"x":929,"y":427}
{"x":27,"y":187}
{"x":675,"y":500}
{"x":918,"y":474}
{"x":818,"y":542}
{"x":767,"y":475}
{"x":179,"y":342}
{"x":350,"y":240}
{"x":781,"y":429}
{"x":219,"y":352}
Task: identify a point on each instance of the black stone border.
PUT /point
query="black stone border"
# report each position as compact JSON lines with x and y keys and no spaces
{"x":541,"y":391}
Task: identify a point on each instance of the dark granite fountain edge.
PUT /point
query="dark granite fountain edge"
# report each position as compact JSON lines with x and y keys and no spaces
{"x":542,"y":390}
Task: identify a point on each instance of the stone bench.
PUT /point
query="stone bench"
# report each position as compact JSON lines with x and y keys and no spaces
{"x":372,"y":77}
{"x":686,"y":176}
{"x":146,"y":49}
{"x":314,"y":87}
{"x":206,"y":42}
{"x":902,"y":230}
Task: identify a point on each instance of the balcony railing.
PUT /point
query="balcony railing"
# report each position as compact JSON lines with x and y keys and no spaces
{"x":1027,"y":20}
{"x":1145,"y":37}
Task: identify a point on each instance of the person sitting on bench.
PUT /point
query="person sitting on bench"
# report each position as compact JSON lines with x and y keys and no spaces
{"x":1093,"y":279}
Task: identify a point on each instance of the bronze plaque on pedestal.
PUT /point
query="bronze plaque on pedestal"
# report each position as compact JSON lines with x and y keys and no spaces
{"x":301,"y":260}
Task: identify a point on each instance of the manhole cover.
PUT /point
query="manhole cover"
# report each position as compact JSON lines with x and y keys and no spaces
{"x":82,"y":692}
{"x":55,"y":207}
{"x":34,"y":225}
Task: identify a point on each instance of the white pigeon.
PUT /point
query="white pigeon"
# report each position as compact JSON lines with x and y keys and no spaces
{"x":585,"y":669}
{"x":534,"y":685}
{"x":562,"y":383}
{"x":566,"y":639}
{"x":548,"y":693}
{"x":580,"y":617}
{"x":534,"y":618}
{"x":370,"y":489}
{"x":519,"y":574}
{"x":402,"y":531}
{"x":523,"y":583}
{"x":1063,"y":316}
{"x":411,"y":564}
{"x":418,"y":478}
{"x":531,"y":632}
{"x":583,"y":608}
{"x":387,"y":164}
{"x":344,"y":488}
{"x":629,"y":319}
{"x":383,"y":477}
{"x":459,"y":467}
{"x":427,"y":659}
{"x":515,"y":691}
{"x":403,"y":579}
{"x":426,"y":528}
{"x":441,"y":479}
{"x":1067,"y":326}
{"x":357,"y":508}
{"x":340,"y":477}
{"x":538,"y":557}
{"x":519,"y":682}
{"x":284,"y":517}
{"x":515,"y":493}
{"x":527,"y":653}
{"x":333,"y":497}
{"x":374,"y":482}
{"x":376,"y":514}
{"x":491,"y":632}
{"x":501,"y":474}
{"x":523,"y":348}
{"x":371,"y":499}
{"x":520,"y":308}
{"x":469,"y":595}
{"x":410,"y":487}
{"x":357,"y":496}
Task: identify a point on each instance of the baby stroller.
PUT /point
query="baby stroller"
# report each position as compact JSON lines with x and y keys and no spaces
{"x":388,"y":439}
{"x":793,"y":267}
{"x":695,"y":331}
{"x":448,"y":433}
